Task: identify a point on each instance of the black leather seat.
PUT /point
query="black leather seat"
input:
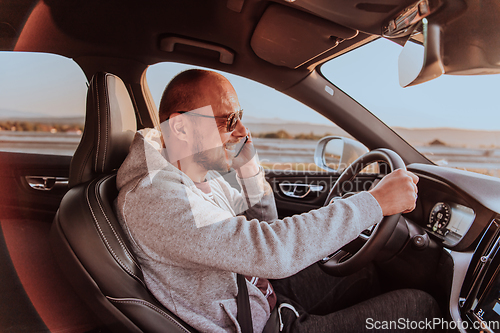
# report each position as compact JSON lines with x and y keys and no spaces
{"x":87,"y":239}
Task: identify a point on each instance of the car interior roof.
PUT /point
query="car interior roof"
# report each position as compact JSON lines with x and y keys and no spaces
{"x":260,"y":34}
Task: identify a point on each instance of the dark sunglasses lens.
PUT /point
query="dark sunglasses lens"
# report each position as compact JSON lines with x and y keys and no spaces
{"x":233,"y":120}
{"x":232,"y":123}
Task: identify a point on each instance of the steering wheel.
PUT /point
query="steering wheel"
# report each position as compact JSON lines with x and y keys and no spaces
{"x":344,"y":262}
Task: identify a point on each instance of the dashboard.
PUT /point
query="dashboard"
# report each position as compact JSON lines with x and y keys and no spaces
{"x":450,"y":221}
{"x":461,"y":211}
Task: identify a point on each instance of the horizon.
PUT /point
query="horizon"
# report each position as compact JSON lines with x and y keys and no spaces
{"x":33,"y":117}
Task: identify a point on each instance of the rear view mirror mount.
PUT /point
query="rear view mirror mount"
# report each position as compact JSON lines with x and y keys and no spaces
{"x":457,"y":37}
{"x":419,"y":63}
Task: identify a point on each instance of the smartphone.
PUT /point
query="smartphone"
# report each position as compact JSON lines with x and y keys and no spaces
{"x":240,"y":146}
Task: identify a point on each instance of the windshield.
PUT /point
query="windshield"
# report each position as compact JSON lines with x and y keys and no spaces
{"x":453,"y":120}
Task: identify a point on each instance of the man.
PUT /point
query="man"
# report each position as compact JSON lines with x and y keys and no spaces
{"x":192,"y":232}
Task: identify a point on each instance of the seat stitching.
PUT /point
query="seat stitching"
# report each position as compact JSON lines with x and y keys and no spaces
{"x":98,"y":124}
{"x":82,"y":170}
{"x":108,"y":245}
{"x":123,"y":211}
{"x":104,"y":237}
{"x":86,"y":157}
{"x":148,"y":304}
{"x":108,"y":112}
{"x":129,"y":255}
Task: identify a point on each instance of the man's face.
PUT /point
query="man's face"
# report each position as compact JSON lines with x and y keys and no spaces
{"x":215,"y":149}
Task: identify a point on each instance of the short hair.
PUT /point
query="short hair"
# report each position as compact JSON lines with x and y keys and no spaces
{"x":182,"y":92}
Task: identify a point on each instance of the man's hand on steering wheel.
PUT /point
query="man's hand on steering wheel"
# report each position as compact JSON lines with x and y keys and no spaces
{"x":397,"y":192}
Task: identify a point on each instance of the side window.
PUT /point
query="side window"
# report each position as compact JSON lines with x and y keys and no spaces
{"x":42,"y":103}
{"x":285,"y":131}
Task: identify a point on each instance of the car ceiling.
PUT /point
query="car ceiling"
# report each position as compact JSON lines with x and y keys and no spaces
{"x":276,"y":43}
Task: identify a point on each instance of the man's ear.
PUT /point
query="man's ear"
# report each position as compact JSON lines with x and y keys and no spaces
{"x":178,"y":126}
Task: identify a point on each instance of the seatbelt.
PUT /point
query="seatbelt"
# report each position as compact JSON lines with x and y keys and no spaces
{"x":244,"y":315}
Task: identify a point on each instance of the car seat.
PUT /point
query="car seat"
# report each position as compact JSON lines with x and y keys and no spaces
{"x":87,"y":239}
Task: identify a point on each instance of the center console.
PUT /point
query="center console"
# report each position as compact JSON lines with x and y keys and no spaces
{"x":480,"y":295}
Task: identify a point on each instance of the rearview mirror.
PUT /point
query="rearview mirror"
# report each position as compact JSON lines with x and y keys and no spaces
{"x":458,"y":37}
{"x":419,"y":63}
{"x":335,"y":153}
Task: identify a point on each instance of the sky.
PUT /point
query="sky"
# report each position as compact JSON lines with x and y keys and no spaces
{"x":41,"y":83}
{"x":56,"y":85}
{"x":471,"y":102}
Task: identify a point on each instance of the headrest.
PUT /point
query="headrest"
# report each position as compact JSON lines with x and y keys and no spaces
{"x":110,"y":126}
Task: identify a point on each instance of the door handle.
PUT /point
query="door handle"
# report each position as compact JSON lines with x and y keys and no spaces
{"x":46,"y":183}
{"x":298,"y":190}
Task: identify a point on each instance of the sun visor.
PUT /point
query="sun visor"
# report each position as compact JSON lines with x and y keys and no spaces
{"x":288,"y":37}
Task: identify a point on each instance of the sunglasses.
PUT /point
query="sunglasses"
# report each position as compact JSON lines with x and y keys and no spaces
{"x":231,"y":119}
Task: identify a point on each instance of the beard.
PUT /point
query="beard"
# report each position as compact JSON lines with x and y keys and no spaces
{"x":210,"y":159}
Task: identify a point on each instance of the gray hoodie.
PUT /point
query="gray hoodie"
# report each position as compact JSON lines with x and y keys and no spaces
{"x":190,"y":245}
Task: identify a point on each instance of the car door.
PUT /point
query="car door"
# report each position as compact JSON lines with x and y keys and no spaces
{"x":42,"y":104}
{"x":297,"y":192}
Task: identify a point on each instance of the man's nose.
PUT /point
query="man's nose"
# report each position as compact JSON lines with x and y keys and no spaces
{"x":240,"y":130}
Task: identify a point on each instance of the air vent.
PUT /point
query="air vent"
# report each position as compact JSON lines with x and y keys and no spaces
{"x":486,"y":251}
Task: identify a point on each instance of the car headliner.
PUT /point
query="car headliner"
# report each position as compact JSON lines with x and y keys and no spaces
{"x":90,"y":31}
